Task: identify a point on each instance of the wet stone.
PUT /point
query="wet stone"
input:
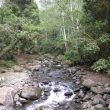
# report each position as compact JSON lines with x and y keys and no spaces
{"x":46,"y":82}
{"x":81,"y":94}
{"x":99,"y":106}
{"x":77,"y":89}
{"x":22,"y":100}
{"x":46,"y":93}
{"x":31,"y":92}
{"x":44,"y":98}
{"x":18,"y":104}
{"x":68,"y":94}
{"x":61,"y":103}
{"x":56,"y":90}
{"x":76,"y":97}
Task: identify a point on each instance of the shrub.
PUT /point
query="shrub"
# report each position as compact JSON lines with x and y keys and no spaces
{"x":101,"y":64}
{"x":90,"y":49}
{"x":72,"y":55}
{"x":104,"y":38}
{"x":8,"y":64}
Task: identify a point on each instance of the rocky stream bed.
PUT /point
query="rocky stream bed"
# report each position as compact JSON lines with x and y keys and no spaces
{"x":45,"y":83}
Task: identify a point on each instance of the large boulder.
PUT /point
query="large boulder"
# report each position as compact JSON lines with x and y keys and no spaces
{"x":6,"y":96}
{"x":31,"y":92}
{"x":98,"y":90}
{"x":98,"y":99}
{"x":89,"y":83}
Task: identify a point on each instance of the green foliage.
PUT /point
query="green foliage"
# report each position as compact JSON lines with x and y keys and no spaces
{"x":104,"y":39}
{"x":18,"y":27}
{"x":97,"y":25}
{"x":90,"y":49}
{"x":100,"y":65}
{"x":8,"y":64}
{"x":50,"y":45}
{"x":72,"y":55}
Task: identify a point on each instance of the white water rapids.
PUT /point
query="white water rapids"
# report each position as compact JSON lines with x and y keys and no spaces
{"x":54,"y":98}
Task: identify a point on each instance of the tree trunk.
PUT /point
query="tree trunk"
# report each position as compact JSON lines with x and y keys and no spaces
{"x":71,"y":16}
{"x":64,"y":32}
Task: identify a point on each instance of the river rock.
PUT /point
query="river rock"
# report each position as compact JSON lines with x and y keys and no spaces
{"x":16,"y":97}
{"x":87,"y":97}
{"x":99,"y":106}
{"x":98,"y":99}
{"x":59,"y":66}
{"x":89,"y":83}
{"x":6,"y":108}
{"x":46,"y":82}
{"x":22,"y":100}
{"x":6,"y":96}
{"x":72,"y":70}
{"x":47,"y":93}
{"x":81,"y":94}
{"x":33,"y":67}
{"x":56,"y":90}
{"x":86,"y":105}
{"x":68,"y":94}
{"x":44,"y":108}
{"x":17,"y":68}
{"x":108,"y":101}
{"x":98,"y":90}
{"x":31,"y":92}
{"x":106,"y":85}
{"x":2,"y":79}
{"x":18,"y":104}
{"x":105,"y":96}
{"x":107,"y":89}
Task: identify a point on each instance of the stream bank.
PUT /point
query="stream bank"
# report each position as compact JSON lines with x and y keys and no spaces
{"x":44,"y":83}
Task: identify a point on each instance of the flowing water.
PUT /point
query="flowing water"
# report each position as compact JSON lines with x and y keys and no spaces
{"x":58,"y":93}
{"x":57,"y":89}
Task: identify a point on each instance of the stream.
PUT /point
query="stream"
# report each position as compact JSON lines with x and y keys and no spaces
{"x":57,"y":88}
{"x":45,"y":83}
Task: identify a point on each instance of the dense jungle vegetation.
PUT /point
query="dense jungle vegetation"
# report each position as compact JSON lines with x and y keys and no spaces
{"x":78,"y":31}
